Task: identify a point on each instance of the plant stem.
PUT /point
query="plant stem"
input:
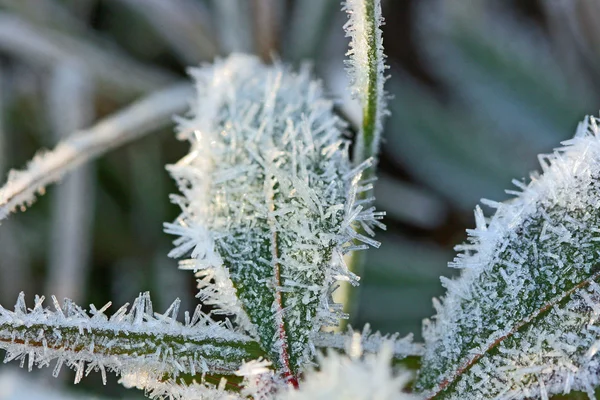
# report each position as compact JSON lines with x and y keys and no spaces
{"x":373,"y":105}
{"x":141,"y":117}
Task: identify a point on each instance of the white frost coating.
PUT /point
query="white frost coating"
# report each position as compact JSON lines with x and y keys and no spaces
{"x":268,"y":186}
{"x":342,"y":377}
{"x":365,"y":33}
{"x":216,"y":289}
{"x":522,"y":320}
{"x":134,"y":343}
{"x":254,"y":368}
{"x":555,"y":356}
{"x":141,"y":117}
{"x":260,"y":381}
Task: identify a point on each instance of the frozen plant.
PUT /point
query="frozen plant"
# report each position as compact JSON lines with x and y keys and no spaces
{"x":271,"y":203}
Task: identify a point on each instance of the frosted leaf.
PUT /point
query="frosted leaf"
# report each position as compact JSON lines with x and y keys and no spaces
{"x":366,"y":68}
{"x":135,"y":342}
{"x":522,"y":319}
{"x":341,"y":377}
{"x":268,"y":203}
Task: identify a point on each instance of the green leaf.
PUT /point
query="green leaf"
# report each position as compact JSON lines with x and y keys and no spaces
{"x":521,"y":321}
{"x":269,"y":205}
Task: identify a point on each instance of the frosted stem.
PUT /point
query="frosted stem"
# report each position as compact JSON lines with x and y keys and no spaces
{"x":366,"y":71}
{"x":137,"y":342}
{"x":143,"y":116}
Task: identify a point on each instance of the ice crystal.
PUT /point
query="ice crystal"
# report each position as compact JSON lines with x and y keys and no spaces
{"x":522,"y":319}
{"x":354,"y":377}
{"x":269,"y":202}
{"x":131,"y":343}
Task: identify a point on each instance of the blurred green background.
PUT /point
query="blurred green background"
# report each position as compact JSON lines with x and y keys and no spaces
{"x":478,"y":89}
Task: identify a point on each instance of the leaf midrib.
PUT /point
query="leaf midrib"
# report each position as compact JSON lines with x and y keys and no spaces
{"x":465,"y":366}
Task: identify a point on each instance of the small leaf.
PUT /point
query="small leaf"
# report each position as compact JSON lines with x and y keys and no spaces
{"x":268,"y":205}
{"x":522,"y":320}
{"x":130,"y":343}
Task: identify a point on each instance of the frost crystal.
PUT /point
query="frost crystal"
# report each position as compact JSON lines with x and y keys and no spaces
{"x":269,"y":202}
{"x":522,"y":320}
{"x":349,"y":376}
{"x":136,"y":343}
